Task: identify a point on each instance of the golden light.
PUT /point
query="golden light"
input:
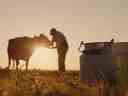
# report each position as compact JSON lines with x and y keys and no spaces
{"x":44,"y":58}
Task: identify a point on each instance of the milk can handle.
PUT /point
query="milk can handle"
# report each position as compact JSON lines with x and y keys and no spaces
{"x":81,"y":44}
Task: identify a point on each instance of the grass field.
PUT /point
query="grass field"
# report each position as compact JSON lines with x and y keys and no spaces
{"x":43,"y":83}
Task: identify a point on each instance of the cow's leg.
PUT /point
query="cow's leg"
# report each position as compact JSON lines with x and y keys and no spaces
{"x":14,"y":63}
{"x":17,"y":63}
{"x":27,"y":61}
{"x":9,"y":62}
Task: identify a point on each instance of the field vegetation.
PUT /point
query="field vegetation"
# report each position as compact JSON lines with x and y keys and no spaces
{"x":43,"y":83}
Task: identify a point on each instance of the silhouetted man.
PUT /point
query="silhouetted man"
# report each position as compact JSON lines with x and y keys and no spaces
{"x":59,"y":41}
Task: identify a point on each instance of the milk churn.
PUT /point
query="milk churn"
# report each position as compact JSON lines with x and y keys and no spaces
{"x":96,"y":61}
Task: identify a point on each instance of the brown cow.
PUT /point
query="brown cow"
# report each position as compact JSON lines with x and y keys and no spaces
{"x":22,"y":48}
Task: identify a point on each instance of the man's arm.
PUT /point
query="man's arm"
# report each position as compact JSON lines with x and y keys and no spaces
{"x":53,"y":44}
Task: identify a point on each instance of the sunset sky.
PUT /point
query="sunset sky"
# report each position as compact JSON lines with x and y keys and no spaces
{"x":88,"y":20}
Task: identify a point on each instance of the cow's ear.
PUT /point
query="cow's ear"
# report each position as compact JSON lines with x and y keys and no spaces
{"x":42,"y":35}
{"x":36,"y":38}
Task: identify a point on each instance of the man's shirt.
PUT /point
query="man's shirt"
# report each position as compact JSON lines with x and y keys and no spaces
{"x":60,"y":39}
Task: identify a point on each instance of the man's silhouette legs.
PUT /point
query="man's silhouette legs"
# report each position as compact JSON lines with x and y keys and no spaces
{"x":61,"y":58}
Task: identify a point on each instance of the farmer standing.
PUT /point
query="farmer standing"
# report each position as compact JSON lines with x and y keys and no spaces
{"x":59,"y":41}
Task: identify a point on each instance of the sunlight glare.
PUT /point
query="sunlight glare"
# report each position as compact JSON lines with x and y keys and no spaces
{"x":44,"y":58}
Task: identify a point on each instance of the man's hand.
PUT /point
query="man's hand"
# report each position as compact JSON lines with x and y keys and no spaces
{"x":52,"y":47}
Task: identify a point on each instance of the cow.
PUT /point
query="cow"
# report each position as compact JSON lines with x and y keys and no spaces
{"x":22,"y":48}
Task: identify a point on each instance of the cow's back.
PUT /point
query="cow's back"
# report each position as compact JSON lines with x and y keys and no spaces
{"x":20,"y":48}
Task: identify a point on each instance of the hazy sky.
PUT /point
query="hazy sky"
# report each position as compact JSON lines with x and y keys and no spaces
{"x":88,"y":20}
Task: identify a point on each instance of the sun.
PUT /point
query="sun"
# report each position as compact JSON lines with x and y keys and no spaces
{"x":44,"y":58}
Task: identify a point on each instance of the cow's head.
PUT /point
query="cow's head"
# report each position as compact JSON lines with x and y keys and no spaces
{"x":42,"y":40}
